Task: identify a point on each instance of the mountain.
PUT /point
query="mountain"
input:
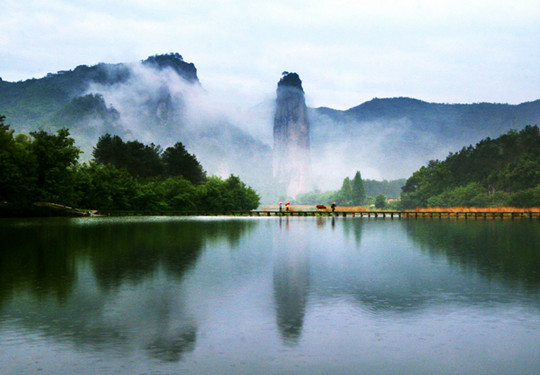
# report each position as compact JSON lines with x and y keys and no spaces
{"x":501,"y":171}
{"x":390,"y":138}
{"x":161,"y":100}
{"x":291,"y":160}
{"x":158,"y":100}
{"x":36,"y":101}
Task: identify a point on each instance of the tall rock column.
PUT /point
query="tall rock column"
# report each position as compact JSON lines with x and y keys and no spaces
{"x":291,"y":159}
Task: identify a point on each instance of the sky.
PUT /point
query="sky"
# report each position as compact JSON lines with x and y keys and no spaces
{"x":346,"y":52}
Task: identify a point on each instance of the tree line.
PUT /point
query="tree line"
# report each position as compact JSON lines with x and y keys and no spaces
{"x":496,"y":172}
{"x":44,"y":167}
{"x":353,"y":192}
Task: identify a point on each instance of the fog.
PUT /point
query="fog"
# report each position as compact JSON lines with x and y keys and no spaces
{"x":378,"y":149}
{"x":228,"y":136}
{"x":158,"y":106}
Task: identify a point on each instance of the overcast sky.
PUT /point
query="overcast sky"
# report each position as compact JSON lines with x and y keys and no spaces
{"x":346,"y":52}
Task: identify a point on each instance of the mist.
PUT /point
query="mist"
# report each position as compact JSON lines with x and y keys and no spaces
{"x":158,"y":106}
{"x":230,"y":137}
{"x":380,"y":150}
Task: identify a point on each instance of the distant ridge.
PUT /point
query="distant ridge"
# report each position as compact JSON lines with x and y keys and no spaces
{"x":33,"y":102}
{"x":150,"y":100}
{"x":497,"y":118}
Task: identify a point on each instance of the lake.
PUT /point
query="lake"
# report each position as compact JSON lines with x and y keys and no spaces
{"x":277,"y":295}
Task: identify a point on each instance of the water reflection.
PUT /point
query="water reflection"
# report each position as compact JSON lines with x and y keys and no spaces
{"x":291,"y":281}
{"x":498,"y":250}
{"x":271,"y":295}
{"x":355,"y":227}
{"x":385,"y":271}
{"x":109,"y":284}
{"x":174,"y":331}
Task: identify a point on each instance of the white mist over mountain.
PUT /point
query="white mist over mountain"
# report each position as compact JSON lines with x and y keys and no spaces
{"x":383,"y":138}
{"x":158,"y":106}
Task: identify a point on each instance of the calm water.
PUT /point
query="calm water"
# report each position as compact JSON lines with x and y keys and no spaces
{"x":269,"y":296}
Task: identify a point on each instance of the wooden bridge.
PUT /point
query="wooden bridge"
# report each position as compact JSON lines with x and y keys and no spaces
{"x":466,"y":215}
{"x":404,"y":214}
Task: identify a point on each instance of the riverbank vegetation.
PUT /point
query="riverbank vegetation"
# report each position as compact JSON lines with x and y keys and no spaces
{"x":496,"y":172}
{"x":356,"y":192}
{"x":44,"y":167}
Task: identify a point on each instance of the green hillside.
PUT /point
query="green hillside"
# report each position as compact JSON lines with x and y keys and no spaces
{"x":59,"y":100}
{"x":501,"y":171}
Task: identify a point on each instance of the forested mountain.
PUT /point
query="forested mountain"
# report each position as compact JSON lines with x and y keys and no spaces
{"x":500,"y":171}
{"x":445,"y":119}
{"x":45,"y":100}
{"x":160,"y":100}
{"x":44,"y":167}
{"x":390,"y":138}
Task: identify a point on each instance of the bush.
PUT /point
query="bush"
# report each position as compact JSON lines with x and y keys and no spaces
{"x":526,"y":198}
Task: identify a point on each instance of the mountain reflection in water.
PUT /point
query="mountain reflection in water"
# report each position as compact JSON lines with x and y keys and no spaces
{"x":291,"y":280}
{"x":71,"y":272}
{"x":269,"y":295}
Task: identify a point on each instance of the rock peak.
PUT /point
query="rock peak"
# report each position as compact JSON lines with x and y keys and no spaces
{"x":176,"y":62}
{"x":290,"y":80}
{"x":291,"y":159}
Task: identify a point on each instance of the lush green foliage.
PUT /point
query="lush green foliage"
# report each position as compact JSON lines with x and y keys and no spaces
{"x":40,"y":168}
{"x":380,"y":201}
{"x":143,"y":161}
{"x":131,"y":175}
{"x":59,"y":98}
{"x":18,"y":168}
{"x":178,"y":162}
{"x":357,"y":192}
{"x":392,"y":189}
{"x":495,"y":172}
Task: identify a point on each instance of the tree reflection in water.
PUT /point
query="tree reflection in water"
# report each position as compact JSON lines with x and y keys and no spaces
{"x":107,"y":283}
{"x":502,"y":250}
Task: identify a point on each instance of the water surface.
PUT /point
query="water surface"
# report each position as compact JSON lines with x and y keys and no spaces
{"x":160,"y":295}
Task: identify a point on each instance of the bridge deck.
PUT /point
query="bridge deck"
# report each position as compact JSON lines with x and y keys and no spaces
{"x":368,"y":214}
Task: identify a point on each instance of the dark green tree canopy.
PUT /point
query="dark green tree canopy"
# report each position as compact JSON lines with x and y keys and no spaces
{"x":140,"y":160}
{"x":486,"y":174}
{"x":346,"y":193}
{"x":143,"y":161}
{"x":178,"y":162}
{"x":380,"y":201}
{"x":358,"y":191}
{"x":124,"y":176}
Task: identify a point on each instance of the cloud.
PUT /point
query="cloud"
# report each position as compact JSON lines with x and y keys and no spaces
{"x":346,"y":52}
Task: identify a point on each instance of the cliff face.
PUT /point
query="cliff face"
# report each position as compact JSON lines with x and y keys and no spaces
{"x":291,"y":159}
{"x":174,"y":61}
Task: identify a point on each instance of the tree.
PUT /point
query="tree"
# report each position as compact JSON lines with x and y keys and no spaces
{"x":358,"y":191}
{"x":178,"y":162}
{"x":217,"y":195}
{"x":238,"y":196}
{"x":105,"y":187}
{"x":482,"y":175}
{"x":110,"y":150}
{"x":526,"y":198}
{"x":380,"y":201}
{"x":56,"y":155}
{"x":346,"y":193}
{"x":18,"y":167}
{"x":141,"y":161}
